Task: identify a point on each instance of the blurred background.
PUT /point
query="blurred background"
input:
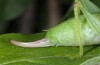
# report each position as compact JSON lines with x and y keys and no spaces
{"x":33,"y":16}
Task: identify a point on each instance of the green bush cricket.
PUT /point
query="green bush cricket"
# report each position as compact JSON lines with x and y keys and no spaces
{"x":83,"y":30}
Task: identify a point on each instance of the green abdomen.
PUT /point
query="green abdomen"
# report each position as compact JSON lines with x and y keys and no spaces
{"x":64,"y":34}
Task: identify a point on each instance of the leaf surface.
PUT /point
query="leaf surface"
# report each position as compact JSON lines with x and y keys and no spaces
{"x":14,"y":55}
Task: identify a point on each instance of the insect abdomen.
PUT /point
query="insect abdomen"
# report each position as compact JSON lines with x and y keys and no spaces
{"x":64,"y":34}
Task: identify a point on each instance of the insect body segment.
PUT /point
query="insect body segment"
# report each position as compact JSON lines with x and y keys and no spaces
{"x":64,"y":35}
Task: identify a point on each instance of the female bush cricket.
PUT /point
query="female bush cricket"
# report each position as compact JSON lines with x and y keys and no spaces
{"x":79,"y":31}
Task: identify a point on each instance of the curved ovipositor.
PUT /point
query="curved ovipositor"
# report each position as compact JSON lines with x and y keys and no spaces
{"x":39,"y":43}
{"x":64,"y":35}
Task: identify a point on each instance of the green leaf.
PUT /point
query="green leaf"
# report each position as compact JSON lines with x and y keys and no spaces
{"x":14,"y":55}
{"x":93,"y":61}
{"x":10,"y":9}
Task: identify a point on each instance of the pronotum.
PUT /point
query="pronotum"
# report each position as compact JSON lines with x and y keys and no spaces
{"x":64,"y":35}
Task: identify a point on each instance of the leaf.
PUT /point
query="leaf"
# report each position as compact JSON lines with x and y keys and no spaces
{"x":93,"y":61}
{"x":10,"y":9}
{"x":14,"y":55}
